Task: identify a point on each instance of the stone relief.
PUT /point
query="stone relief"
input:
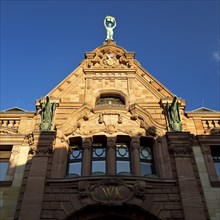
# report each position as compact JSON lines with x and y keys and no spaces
{"x":109,"y":59}
{"x":112,"y":190}
{"x":108,"y":123}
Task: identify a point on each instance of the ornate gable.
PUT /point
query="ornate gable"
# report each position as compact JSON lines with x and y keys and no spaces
{"x":109,"y":70}
{"x":109,"y":57}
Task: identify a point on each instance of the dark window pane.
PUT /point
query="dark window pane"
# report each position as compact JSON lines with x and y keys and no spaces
{"x":146,"y":168}
{"x":217,"y":169}
{"x":110,"y":100}
{"x":3,"y":170}
{"x":215,"y":151}
{"x":75,"y":168}
{"x":123,"y":166}
{"x":98,"y":166}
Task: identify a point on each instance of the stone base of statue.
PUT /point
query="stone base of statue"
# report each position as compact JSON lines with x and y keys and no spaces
{"x":109,"y":42}
{"x":175,"y":126}
{"x":45,"y":126}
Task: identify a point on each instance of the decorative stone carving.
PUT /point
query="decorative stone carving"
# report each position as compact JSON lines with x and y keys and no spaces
{"x":111,"y":191}
{"x":30,"y":138}
{"x":101,"y":118}
{"x":181,"y":150}
{"x":139,"y":188}
{"x":7,"y":130}
{"x":15,"y":150}
{"x":206,"y":150}
{"x":40,"y":151}
{"x":83,"y":187}
{"x":110,"y":129}
{"x":108,"y":58}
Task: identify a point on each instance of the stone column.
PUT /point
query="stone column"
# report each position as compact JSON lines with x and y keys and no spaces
{"x":86,"y":163}
{"x":135,"y":156}
{"x":180,"y":146}
{"x":110,"y":156}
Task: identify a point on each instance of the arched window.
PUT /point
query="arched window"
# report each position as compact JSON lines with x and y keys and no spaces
{"x":112,"y":100}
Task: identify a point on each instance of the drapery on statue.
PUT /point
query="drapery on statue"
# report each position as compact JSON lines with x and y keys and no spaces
{"x":110,"y":24}
{"x":47,"y":114}
{"x":173,"y":115}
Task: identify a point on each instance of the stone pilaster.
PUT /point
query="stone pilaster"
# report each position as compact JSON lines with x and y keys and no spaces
{"x":111,"y":156}
{"x":180,"y":146}
{"x":86,"y":163}
{"x":135,"y":145}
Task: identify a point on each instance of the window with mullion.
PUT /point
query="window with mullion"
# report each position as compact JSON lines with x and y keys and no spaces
{"x":123,"y":166}
{"x":98,"y":159}
{"x":146,"y":161}
{"x":75,"y":160}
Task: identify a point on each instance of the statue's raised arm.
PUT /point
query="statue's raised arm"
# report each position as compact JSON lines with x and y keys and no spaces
{"x":110,"y":24}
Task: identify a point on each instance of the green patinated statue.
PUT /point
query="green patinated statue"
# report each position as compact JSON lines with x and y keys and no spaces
{"x":47,"y":114}
{"x":110,"y":24}
{"x":173,"y":115}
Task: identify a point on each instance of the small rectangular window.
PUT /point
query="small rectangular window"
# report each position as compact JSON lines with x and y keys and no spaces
{"x":5,"y":153}
{"x":75,"y":161}
{"x":123,"y":166}
{"x":146,"y":160}
{"x":98,"y":159}
{"x":215,"y":151}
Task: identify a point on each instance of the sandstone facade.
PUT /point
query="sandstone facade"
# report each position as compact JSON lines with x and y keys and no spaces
{"x":110,"y":100}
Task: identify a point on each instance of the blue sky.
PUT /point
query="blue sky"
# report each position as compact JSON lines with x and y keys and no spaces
{"x":42,"y":42}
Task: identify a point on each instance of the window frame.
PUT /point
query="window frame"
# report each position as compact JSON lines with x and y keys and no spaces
{"x":205,"y":143}
{"x":109,"y":93}
{"x":75,"y":143}
{"x":147,"y":142}
{"x":98,"y":159}
{"x":6,"y":156}
{"x":215,"y":160}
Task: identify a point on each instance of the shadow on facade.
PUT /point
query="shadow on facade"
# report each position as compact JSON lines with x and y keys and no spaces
{"x":47,"y":190}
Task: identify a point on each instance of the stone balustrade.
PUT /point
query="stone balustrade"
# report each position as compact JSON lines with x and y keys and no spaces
{"x":14,"y":123}
{"x":210,"y":124}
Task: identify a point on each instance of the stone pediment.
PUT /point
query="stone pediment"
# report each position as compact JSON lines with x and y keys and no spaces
{"x":110,"y":57}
